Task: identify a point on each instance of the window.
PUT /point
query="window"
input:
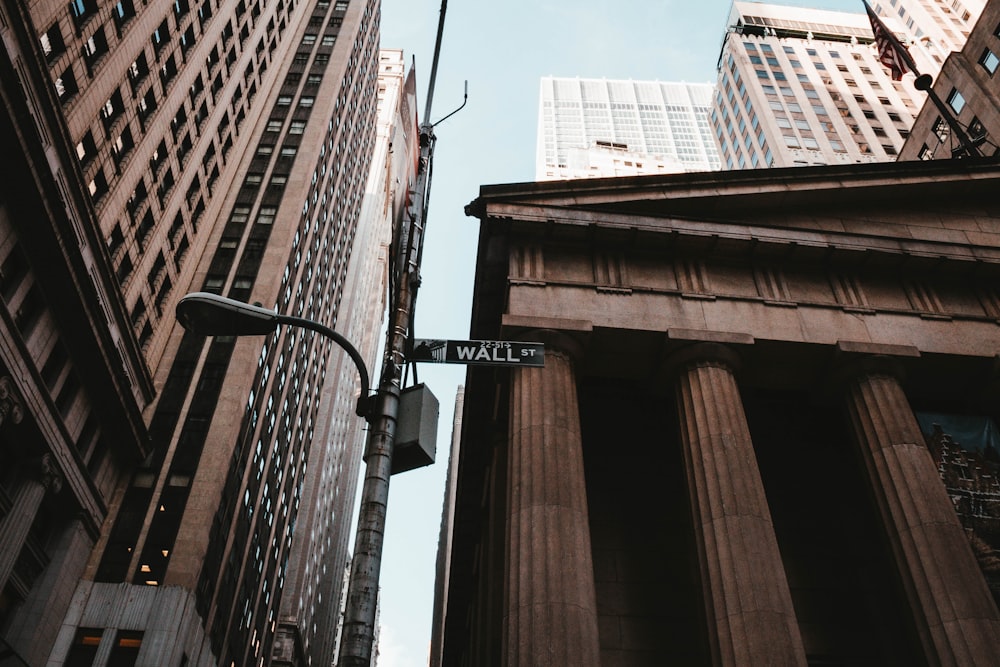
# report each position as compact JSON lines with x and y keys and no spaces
{"x":989,"y":61}
{"x":147,"y":105}
{"x":976,"y":128}
{"x":98,"y":186}
{"x":297,"y":127}
{"x":137,"y":71}
{"x":122,"y":145}
{"x":956,"y":101}
{"x":82,"y":10}
{"x":52,"y":43}
{"x":168,"y":71}
{"x":122,"y":13}
{"x":65,"y":84}
{"x":306,"y":101}
{"x":159,"y":157}
{"x":112,"y":109}
{"x":925,"y":153}
{"x":84,"y":648}
{"x":126,"y":649}
{"x":86,"y":149}
{"x":160,"y":36}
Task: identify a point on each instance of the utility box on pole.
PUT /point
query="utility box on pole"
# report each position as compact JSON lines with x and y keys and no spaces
{"x":416,"y":429}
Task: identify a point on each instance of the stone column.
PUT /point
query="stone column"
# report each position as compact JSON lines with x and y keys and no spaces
{"x":956,"y":617}
{"x":551,"y":604}
{"x":751,"y":620}
{"x":24,"y":506}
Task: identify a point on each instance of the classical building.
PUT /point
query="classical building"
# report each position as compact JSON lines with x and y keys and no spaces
{"x":152,"y":478}
{"x":968,"y":86}
{"x":589,"y":128}
{"x":735,"y":452}
{"x":805,"y":87}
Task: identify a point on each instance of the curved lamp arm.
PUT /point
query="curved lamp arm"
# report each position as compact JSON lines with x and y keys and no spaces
{"x":209,"y":314}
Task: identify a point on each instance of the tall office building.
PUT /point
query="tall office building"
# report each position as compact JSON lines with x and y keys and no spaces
{"x":933,"y":28}
{"x":589,"y":128}
{"x":314,"y":583}
{"x":765,"y":429}
{"x":155,"y":149}
{"x":804,"y":87}
{"x":967,"y":84}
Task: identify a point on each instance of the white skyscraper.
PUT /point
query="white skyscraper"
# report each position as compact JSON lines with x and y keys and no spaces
{"x":599,"y":127}
{"x":804,"y":86}
{"x":935,"y":27}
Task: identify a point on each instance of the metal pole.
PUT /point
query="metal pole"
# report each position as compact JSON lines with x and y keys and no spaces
{"x":358,"y":636}
{"x":966,"y":145}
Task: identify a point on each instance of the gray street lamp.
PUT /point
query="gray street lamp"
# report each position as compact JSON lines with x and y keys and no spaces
{"x":213,"y":315}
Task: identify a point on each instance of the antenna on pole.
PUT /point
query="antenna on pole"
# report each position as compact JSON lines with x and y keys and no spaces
{"x":434,"y":61}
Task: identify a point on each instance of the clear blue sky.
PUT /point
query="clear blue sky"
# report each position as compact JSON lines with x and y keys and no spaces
{"x":503,"y":49}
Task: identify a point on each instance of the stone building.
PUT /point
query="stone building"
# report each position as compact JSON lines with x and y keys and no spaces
{"x":721,"y":461}
{"x":150,"y":479}
{"x":968,"y":87}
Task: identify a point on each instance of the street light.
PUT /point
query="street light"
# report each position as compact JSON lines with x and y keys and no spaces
{"x":213,"y":315}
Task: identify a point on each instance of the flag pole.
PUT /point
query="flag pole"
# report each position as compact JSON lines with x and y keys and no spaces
{"x":897,"y":58}
{"x":965,"y":145}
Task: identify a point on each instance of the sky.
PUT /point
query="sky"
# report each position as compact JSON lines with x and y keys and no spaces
{"x":502,"y":49}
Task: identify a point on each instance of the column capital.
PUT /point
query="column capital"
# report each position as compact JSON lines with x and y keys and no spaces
{"x":559,"y":335}
{"x":558,"y":342}
{"x":696,"y":354}
{"x":11,"y":403}
{"x":848,"y":367}
{"x":49,"y":473}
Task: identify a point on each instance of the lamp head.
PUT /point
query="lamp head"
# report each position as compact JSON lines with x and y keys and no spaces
{"x":213,"y":315}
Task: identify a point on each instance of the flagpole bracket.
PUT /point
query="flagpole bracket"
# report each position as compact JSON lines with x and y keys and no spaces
{"x":923,"y":82}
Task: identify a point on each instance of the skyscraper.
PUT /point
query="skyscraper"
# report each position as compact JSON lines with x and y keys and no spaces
{"x":934,"y":29}
{"x":804,"y":86}
{"x":158,"y":149}
{"x":309,"y":609}
{"x":967,"y":85}
{"x":597,"y":127}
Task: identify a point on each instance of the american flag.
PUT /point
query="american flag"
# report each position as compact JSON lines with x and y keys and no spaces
{"x":891,"y":53}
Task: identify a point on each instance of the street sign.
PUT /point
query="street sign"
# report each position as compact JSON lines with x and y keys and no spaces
{"x":478,"y":352}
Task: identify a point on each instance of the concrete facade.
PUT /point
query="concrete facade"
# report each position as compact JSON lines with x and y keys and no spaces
{"x":735,"y":367}
{"x":803,"y":87}
{"x":592,"y":128}
{"x":968,"y":86}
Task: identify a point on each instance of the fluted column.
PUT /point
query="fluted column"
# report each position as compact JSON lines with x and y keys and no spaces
{"x":24,"y":506}
{"x":551,"y":606}
{"x":955,"y":614}
{"x":751,"y":620}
